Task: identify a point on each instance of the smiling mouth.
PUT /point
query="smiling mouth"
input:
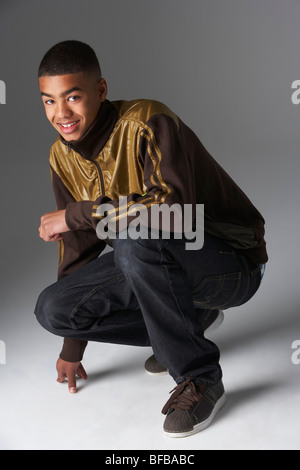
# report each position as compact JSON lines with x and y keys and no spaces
{"x":68,"y":127}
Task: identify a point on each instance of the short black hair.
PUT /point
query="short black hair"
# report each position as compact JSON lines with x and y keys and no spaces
{"x":68,"y":57}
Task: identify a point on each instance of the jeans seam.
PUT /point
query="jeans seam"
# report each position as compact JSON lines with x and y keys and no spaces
{"x":178,"y":306}
{"x":242,"y":300}
{"x":238,"y":286}
{"x":163,"y":244}
{"x":222,"y":278}
{"x":89,"y":295}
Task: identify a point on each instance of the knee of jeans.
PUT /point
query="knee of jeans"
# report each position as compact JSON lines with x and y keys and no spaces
{"x":45,"y":309}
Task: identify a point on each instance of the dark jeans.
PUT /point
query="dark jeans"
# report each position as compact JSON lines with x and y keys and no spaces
{"x":152,"y":293}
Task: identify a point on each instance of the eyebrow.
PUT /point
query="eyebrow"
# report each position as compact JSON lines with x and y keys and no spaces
{"x":65,"y":93}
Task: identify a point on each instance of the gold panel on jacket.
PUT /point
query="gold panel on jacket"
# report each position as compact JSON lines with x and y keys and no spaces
{"x":79,"y":175}
{"x":119,"y":159}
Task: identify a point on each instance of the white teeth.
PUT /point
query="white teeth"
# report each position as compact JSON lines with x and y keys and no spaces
{"x":69,"y":125}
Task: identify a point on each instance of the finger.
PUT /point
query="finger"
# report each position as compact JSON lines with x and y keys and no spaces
{"x":48,"y":238}
{"x":61,"y":377}
{"x":81,"y":372}
{"x":44,"y":235}
{"x":57,"y":237}
{"x":72,"y":381}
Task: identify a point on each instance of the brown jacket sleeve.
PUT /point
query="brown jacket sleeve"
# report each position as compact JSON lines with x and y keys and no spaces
{"x":76,"y":249}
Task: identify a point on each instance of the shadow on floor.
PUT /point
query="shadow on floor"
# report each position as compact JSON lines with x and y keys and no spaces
{"x":237,"y":398}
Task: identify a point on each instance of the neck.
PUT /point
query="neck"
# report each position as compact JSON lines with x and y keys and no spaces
{"x":93,"y":141}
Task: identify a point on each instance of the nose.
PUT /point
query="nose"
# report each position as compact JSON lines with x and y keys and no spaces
{"x":62,"y":110}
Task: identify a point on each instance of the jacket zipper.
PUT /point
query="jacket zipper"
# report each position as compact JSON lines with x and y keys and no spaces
{"x":101,"y":177}
{"x":94,"y":163}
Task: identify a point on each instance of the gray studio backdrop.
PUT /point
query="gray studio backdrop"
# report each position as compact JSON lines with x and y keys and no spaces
{"x":226,"y":68}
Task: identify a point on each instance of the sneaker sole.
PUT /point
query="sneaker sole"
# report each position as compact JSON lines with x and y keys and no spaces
{"x":204,"y":424}
{"x":164,"y":372}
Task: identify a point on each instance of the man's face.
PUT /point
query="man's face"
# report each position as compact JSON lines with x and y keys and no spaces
{"x":72,"y":102}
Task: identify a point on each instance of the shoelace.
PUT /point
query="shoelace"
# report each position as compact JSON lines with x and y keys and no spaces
{"x":180,"y":400}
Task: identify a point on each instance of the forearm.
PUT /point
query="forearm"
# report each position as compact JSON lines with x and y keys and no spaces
{"x":73,"y":350}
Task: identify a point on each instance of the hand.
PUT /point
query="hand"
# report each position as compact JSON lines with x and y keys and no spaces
{"x":53,"y":225}
{"x":69,"y":370}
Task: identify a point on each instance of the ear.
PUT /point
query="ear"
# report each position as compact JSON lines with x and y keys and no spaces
{"x":102,"y":89}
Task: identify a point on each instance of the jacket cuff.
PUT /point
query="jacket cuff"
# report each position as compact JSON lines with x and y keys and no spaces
{"x":79,"y":215}
{"x":73,"y":350}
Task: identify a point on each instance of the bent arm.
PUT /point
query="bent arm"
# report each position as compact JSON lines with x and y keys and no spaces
{"x":75,"y":250}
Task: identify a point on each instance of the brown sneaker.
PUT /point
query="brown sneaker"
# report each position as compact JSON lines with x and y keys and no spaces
{"x":153,"y":367}
{"x":213,"y":320}
{"x":192,"y":407}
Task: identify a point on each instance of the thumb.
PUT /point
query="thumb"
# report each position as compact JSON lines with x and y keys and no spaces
{"x":57,"y":236}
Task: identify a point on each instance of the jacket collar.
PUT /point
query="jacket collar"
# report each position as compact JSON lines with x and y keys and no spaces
{"x":93,"y":141}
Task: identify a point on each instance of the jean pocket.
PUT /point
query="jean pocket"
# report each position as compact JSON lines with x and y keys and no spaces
{"x":219,"y":291}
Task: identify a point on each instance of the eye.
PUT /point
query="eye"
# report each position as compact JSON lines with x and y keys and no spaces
{"x":73,"y":98}
{"x":49,"y":102}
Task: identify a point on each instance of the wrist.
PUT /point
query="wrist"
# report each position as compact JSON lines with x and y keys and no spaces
{"x":73,"y":350}
{"x":78,"y":215}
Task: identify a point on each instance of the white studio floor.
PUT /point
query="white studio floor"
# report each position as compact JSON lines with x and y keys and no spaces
{"x":118,"y":408}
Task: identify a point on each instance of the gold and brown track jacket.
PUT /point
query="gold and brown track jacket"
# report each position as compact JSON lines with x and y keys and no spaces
{"x":142,"y":150}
